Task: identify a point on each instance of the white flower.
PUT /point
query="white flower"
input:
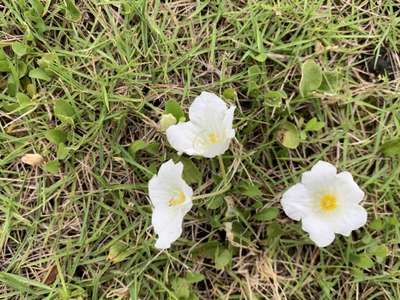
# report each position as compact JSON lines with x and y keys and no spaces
{"x":326,"y":203}
{"x":209,"y":130}
{"x":172,"y":199}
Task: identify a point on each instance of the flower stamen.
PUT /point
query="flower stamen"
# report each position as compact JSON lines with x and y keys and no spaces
{"x":213,"y":138}
{"x":178,"y":200}
{"x":328,"y":202}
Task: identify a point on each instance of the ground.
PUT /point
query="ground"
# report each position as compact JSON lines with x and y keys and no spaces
{"x":84,"y":83}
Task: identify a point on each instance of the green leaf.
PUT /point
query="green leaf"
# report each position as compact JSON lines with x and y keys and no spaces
{"x":274,"y":98}
{"x":362,"y":260}
{"x":391,"y":148}
{"x":73,"y":13}
{"x":250,"y":190}
{"x":40,"y":74}
{"x":267,"y":214}
{"x":288,"y":135}
{"x":56,"y":136}
{"x":191,"y":172}
{"x":12,"y":85}
{"x":137,"y":146}
{"x":64,"y":111}
{"x":181,"y":288}
{"x":62,"y":151}
{"x":52,"y":166}
{"x":331,"y":82}
{"x":222,"y":258}
{"x":230,"y":93}
{"x":262,"y":57}
{"x":207,"y":249}
{"x":38,"y":7}
{"x":377,"y":224}
{"x":311,"y":77}
{"x":23,"y":100}
{"x":22,"y":68}
{"x":215,"y":202}
{"x":4,"y":66}
{"x":19,"y":48}
{"x":380,"y":252}
{"x":314,"y":125}
{"x":194,"y":277}
{"x":119,"y":251}
{"x":22,"y":284}
{"x":172,"y":107}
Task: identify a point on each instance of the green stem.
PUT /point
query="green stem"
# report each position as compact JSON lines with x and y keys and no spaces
{"x":222,"y":169}
{"x":213,"y":194}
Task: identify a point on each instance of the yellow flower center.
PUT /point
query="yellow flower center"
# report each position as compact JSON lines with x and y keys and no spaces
{"x":213,"y":138}
{"x":328,"y":202}
{"x":177,"y":200}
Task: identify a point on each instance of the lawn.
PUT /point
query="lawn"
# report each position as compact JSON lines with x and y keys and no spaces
{"x":84,"y":85}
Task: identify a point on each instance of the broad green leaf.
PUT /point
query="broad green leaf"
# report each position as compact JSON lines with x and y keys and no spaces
{"x":377,"y":224}
{"x":380,"y":252}
{"x":62,"y":151}
{"x":119,"y":251}
{"x":288,"y":135}
{"x":64,"y":111}
{"x":21,"y":69}
{"x":314,"y":125}
{"x":194,"y":277}
{"x":191,"y":172}
{"x":181,"y":288}
{"x":250,"y":190}
{"x":207,"y":249}
{"x":52,"y":166}
{"x":73,"y":13}
{"x":19,"y":48}
{"x":223,"y":257}
{"x":23,"y":100}
{"x":4,"y":65}
{"x":274,"y":98}
{"x":12,"y":85}
{"x":311,"y":77}
{"x":137,"y":146}
{"x":267,"y":214}
{"x":56,"y":136}
{"x":362,"y":260}
{"x":391,"y":148}
{"x":215,"y":202}
{"x":172,"y":107}
{"x":331,"y":82}
{"x":262,"y":57}
{"x":38,"y":7}
{"x":40,"y":74}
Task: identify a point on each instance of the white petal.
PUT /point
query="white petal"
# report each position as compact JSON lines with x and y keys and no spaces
{"x":228,"y":122}
{"x":351,"y":218}
{"x":183,"y":137}
{"x":208,"y":111}
{"x":348,"y":190}
{"x":320,"y":232}
{"x":321,"y":177}
{"x":297,"y":202}
{"x":168,"y":181}
{"x":167,"y":225}
{"x":214,"y":150}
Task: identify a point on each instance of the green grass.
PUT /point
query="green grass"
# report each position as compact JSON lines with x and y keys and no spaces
{"x":115,"y":64}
